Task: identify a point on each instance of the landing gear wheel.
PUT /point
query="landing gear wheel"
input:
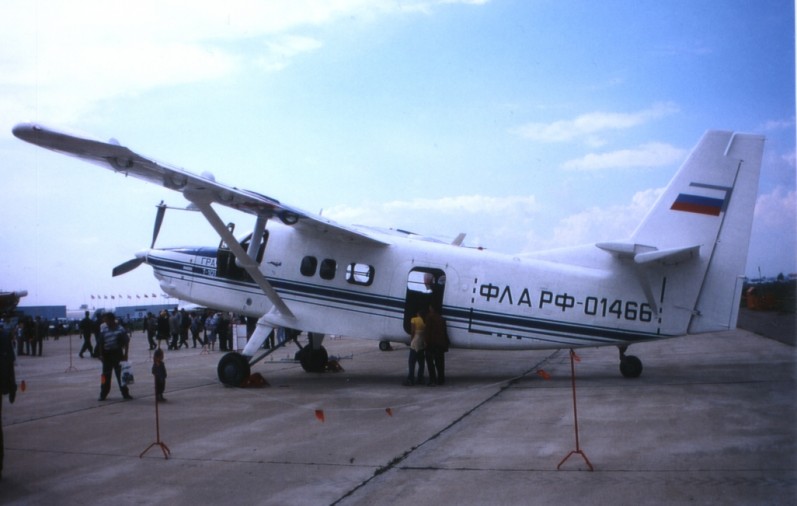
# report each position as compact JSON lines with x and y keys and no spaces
{"x":630,"y":366}
{"x":233,"y":369}
{"x":313,"y":360}
{"x":385,"y":346}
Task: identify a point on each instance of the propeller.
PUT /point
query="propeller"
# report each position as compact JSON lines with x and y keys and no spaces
{"x":158,"y":222}
{"x":127,"y":266}
{"x":131,"y":264}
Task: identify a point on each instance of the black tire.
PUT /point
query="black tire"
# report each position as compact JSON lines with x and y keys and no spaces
{"x":385,"y":346}
{"x":630,"y":366}
{"x":313,"y":360}
{"x":233,"y":369}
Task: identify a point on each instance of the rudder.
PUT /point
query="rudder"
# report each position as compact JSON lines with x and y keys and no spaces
{"x":709,"y":204}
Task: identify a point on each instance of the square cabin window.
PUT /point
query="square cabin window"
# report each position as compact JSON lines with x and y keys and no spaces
{"x":360,"y":274}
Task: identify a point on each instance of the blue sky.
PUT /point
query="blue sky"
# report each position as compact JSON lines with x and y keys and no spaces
{"x":526,"y":124}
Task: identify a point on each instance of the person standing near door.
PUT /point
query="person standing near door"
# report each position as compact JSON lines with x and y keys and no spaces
{"x":436,"y":336}
{"x":417,"y":345}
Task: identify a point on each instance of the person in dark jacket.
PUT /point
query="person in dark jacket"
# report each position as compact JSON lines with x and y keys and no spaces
{"x":8,"y":382}
{"x":86,"y":324}
{"x":159,"y":372}
{"x":436,"y":337}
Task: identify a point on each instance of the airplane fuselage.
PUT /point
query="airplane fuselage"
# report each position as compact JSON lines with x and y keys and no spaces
{"x":490,"y":300}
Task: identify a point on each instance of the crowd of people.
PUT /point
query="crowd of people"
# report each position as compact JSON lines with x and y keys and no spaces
{"x":178,"y":328}
{"x":29,"y":334}
{"x":206,"y":328}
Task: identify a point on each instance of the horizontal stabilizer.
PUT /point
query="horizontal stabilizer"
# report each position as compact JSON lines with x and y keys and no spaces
{"x":648,"y":254}
{"x":624,"y":249}
{"x":668,"y":257}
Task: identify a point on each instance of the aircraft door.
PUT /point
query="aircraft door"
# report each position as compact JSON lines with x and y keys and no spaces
{"x":425,"y":287}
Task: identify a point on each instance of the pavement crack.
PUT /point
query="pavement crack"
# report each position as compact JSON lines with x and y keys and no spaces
{"x":395,"y":462}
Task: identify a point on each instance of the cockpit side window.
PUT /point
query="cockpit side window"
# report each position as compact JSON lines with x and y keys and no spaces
{"x":227,"y":266}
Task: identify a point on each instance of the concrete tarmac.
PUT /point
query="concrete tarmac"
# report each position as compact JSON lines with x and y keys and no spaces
{"x":710,"y":421}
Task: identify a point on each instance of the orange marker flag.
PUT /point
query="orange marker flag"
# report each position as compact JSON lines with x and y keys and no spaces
{"x":23,"y":386}
{"x":544,"y":375}
{"x":319,"y":413}
{"x":389,"y":411}
{"x":576,"y":357}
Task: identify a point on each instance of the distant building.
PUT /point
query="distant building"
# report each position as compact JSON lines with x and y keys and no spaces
{"x":140,"y":312}
{"x":43,"y":312}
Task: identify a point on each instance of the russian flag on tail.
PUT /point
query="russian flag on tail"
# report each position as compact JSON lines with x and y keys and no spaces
{"x":698,"y":204}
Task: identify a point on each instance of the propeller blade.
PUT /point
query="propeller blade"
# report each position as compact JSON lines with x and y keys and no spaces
{"x":127,"y":266}
{"x":158,"y":222}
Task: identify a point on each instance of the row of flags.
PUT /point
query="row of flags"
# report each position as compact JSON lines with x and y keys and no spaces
{"x":114,"y":297}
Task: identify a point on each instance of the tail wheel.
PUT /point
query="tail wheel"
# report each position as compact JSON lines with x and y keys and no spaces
{"x":233,"y":369}
{"x":630,"y":366}
{"x":313,"y":360}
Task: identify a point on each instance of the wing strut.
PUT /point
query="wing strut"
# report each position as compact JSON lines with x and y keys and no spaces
{"x":244,"y":260}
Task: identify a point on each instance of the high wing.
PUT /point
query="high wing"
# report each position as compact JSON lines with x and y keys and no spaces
{"x":201,"y":191}
{"x":195,"y":188}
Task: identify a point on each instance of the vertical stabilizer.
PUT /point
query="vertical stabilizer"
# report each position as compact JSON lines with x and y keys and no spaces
{"x":709,"y":204}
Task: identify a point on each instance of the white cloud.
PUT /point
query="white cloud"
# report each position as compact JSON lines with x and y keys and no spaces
{"x":598,"y":223}
{"x":390,"y":213}
{"x":509,"y":224}
{"x":774,"y":235}
{"x":587,"y":126}
{"x":284,"y":48}
{"x":654,"y":154}
{"x":494,"y":222}
{"x":777,"y":124}
{"x":777,"y":209}
{"x":59,"y":59}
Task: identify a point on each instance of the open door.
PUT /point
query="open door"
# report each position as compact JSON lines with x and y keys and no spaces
{"x":425,"y":287}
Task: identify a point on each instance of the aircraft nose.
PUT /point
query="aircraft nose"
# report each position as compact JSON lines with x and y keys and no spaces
{"x":142,"y":255}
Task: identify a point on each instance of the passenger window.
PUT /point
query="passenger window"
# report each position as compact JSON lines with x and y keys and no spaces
{"x":360,"y":274}
{"x":328,"y":268}
{"x":309,"y":264}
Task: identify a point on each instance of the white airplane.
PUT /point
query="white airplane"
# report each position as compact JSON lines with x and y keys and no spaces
{"x":679,"y":273}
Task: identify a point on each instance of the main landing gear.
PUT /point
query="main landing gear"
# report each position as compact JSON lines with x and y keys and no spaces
{"x":313,"y":357}
{"x":313,"y":360}
{"x":630,"y":365}
{"x":234,"y":368}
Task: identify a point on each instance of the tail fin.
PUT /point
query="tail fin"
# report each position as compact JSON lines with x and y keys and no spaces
{"x":707,"y":210}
